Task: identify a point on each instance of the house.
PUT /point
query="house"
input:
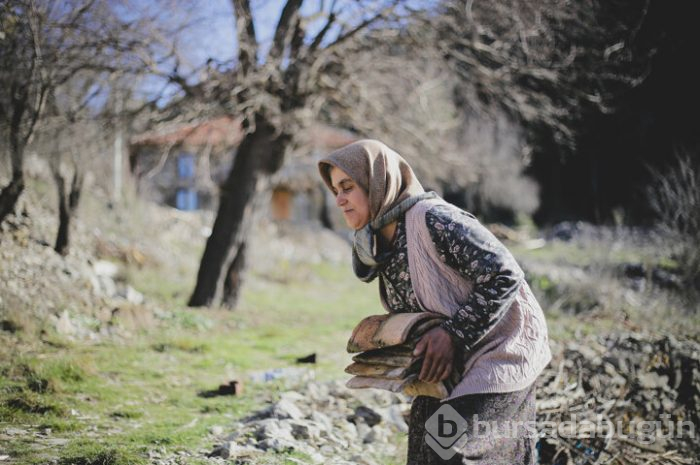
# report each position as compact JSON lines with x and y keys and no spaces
{"x":183,"y":165}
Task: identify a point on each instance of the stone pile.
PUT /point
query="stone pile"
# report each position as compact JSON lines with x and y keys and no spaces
{"x":327,"y":422}
{"x":621,"y":399}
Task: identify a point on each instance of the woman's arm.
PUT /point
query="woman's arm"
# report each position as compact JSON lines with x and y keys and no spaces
{"x":468,"y":247}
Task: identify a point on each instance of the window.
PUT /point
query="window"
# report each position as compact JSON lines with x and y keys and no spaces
{"x":185,"y":166}
{"x":186,"y":199}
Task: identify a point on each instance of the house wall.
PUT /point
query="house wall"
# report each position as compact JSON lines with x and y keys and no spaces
{"x":163,"y":179}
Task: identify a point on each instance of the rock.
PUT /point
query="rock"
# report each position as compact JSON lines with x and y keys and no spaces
{"x":133,"y":296}
{"x":311,"y":358}
{"x":340,"y":391}
{"x":327,"y":450}
{"x":64,"y":325}
{"x":316,"y":458}
{"x":369,"y":416}
{"x":395,"y":415}
{"x":667,"y":405}
{"x":103,"y":285}
{"x":652,"y":380}
{"x":16,"y":431}
{"x":285,"y":409}
{"x":278,"y":445}
{"x":616,"y":361}
{"x":292,"y":396}
{"x":216,"y":430}
{"x":232,"y":450}
{"x":272,"y":428}
{"x":105,"y":268}
{"x":362,"y":429}
{"x":316,"y":391}
{"x":370,"y":437}
{"x":348,"y":430}
{"x":322,"y":419}
{"x":383,"y":398}
{"x":325,"y":435}
{"x":56,"y":441}
{"x":301,"y":430}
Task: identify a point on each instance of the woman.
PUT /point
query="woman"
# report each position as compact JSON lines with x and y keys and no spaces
{"x":431,"y":256}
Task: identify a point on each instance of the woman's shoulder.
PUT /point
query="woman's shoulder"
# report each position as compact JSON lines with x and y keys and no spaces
{"x":444,"y":212}
{"x":447,"y":224}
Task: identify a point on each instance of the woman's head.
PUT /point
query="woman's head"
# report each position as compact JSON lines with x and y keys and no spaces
{"x":382,"y":175}
{"x":350,"y":198}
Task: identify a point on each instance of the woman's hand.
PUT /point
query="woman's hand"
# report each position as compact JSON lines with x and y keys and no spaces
{"x":438,"y":349}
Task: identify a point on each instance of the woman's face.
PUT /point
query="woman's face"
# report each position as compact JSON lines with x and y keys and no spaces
{"x":350,"y":198}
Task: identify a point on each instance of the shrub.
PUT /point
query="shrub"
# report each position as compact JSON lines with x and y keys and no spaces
{"x":674,"y":196}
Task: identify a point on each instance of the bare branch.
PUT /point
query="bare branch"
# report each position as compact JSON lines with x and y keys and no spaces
{"x":322,"y":33}
{"x":297,"y":38}
{"x":363,"y":25}
{"x":283,"y":30}
{"x":245,"y":32}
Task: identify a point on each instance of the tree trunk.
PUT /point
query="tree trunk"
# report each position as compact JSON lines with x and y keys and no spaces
{"x":67,"y":204}
{"x":260,"y":154}
{"x":234,"y":278}
{"x":62,"y":239}
{"x":325,"y":214}
{"x":10,"y":194}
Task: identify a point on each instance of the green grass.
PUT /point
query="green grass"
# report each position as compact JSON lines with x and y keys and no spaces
{"x":141,"y":394}
{"x":599,"y":299}
{"x":595,"y":253}
{"x":83,"y":452}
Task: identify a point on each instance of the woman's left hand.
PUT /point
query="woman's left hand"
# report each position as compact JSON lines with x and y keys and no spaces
{"x":438,"y":349}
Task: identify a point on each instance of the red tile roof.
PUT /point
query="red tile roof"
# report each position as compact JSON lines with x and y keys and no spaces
{"x":221,"y":132}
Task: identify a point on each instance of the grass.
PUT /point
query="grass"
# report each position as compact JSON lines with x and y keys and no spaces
{"x":88,"y":453}
{"x":582,"y":290}
{"x":592,"y":252}
{"x":117,"y":400}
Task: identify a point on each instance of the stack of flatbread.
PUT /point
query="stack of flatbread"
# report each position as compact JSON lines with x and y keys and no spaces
{"x":384,"y":359}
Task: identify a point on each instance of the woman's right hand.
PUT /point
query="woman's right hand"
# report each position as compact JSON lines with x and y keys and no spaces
{"x":438,"y":351}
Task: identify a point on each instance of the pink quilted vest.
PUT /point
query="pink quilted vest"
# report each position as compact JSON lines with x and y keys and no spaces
{"x":513,"y":353}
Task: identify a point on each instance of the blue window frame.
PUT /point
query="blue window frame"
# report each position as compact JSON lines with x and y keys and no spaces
{"x":186,"y":199}
{"x":185,"y":166}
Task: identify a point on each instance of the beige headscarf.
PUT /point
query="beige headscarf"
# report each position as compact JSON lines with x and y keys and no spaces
{"x":392,"y":189}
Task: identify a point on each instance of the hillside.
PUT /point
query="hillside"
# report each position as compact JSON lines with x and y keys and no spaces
{"x":103,"y":363}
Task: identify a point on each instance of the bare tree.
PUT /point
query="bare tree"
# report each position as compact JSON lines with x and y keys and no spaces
{"x":546,"y":63}
{"x":68,"y":200}
{"x":44,"y":45}
{"x":276,"y":93}
{"x":403,"y":92}
{"x":70,"y":134}
{"x":24,"y":83}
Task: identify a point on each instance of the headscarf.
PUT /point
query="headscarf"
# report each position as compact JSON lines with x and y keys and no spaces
{"x":392,"y":189}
